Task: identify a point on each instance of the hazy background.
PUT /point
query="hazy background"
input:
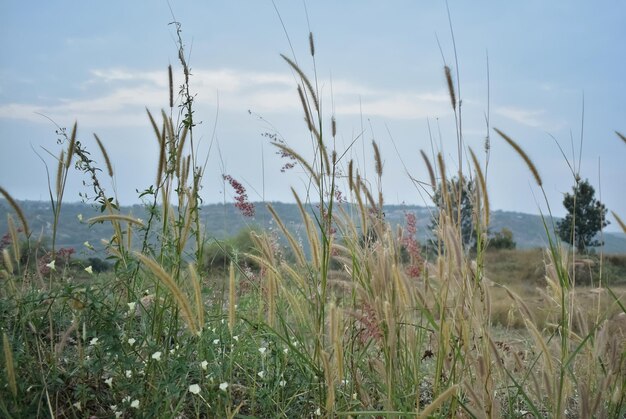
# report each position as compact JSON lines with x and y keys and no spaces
{"x":102,"y":63}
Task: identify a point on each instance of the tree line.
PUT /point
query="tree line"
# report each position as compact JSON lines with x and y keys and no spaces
{"x":585,"y":216}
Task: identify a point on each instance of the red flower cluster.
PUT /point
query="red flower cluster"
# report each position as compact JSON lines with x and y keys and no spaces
{"x":339,"y":197}
{"x":62,"y":258}
{"x":370,"y":326}
{"x":412,"y":246}
{"x":291,"y":163}
{"x":241,"y":197}
{"x":5,"y":241}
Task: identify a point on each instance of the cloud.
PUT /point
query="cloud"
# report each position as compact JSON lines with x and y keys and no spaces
{"x":532,"y":118}
{"x":118,"y":96}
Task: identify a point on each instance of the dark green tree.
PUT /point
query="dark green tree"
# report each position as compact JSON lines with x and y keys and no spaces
{"x":585,"y":217}
{"x":502,"y":239}
{"x":467,"y":188}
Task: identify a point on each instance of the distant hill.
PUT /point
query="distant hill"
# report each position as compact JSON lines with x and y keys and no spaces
{"x":224,"y":220}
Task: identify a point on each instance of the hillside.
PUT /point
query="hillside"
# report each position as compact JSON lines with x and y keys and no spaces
{"x":224,"y":220}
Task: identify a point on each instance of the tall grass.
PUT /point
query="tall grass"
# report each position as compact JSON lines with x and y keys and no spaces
{"x":362,"y":324}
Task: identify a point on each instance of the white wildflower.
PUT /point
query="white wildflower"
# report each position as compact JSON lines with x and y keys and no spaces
{"x":89,"y":269}
{"x":51,"y":265}
{"x":194,"y":389}
{"x":80,"y":217}
{"x":223,"y":386}
{"x":216,"y":341}
{"x":77,"y":406}
{"x":282,"y":383}
{"x":318,"y":412}
{"x":262,"y":350}
{"x":131,"y":341}
{"x":131,"y":307}
{"x":157,"y":355}
{"x":109,"y":381}
{"x":135,"y":404}
{"x":204,"y":365}
{"x":93,"y":341}
{"x":261,"y":374}
{"x":129,"y":374}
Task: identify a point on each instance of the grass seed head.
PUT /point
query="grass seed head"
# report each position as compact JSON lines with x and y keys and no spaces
{"x":450,"y":86}
{"x":311,"y":44}
{"x":105,"y":155}
{"x":17,"y":209}
{"x":377,"y":159}
{"x":170,"y":78}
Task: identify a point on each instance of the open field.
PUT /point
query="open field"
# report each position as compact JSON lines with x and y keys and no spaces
{"x":366,"y":323}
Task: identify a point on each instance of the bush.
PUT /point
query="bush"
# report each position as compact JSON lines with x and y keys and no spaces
{"x":502,"y":239}
{"x":219,"y":253}
{"x":98,"y":265}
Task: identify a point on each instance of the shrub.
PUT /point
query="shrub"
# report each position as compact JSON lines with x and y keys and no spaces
{"x":502,"y":239}
{"x":219,"y":253}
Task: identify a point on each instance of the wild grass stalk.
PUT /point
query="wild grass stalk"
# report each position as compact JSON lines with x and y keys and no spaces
{"x":9,"y":365}
{"x":17,"y":210}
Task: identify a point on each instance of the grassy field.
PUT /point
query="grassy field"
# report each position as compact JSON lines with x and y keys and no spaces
{"x":363,"y":325}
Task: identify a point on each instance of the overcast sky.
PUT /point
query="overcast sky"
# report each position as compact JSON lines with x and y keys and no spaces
{"x":379,"y":67}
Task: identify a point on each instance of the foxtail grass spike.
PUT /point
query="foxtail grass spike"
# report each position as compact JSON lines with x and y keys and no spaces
{"x":60,"y":167}
{"x":377,"y":159}
{"x":155,"y":127}
{"x":305,"y":79}
{"x":165,"y":278}
{"x":483,"y":186}
{"x":15,"y":241}
{"x":9,"y":365}
{"x":307,"y":114}
{"x":179,"y":150}
{"x":619,"y":221}
{"x":105,"y":155}
{"x":311,"y":44}
{"x":198,"y":295}
{"x":17,"y":209}
{"x":351,"y":175}
{"x":450,"y":86}
{"x":444,"y":183}
{"x":170,"y":78}
{"x":72,"y":146}
{"x":115,"y":217}
{"x":431,"y":172}
{"x":162,"y":157}
{"x":8,"y":265}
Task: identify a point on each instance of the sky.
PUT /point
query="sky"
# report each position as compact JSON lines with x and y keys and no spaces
{"x":545,"y":73}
